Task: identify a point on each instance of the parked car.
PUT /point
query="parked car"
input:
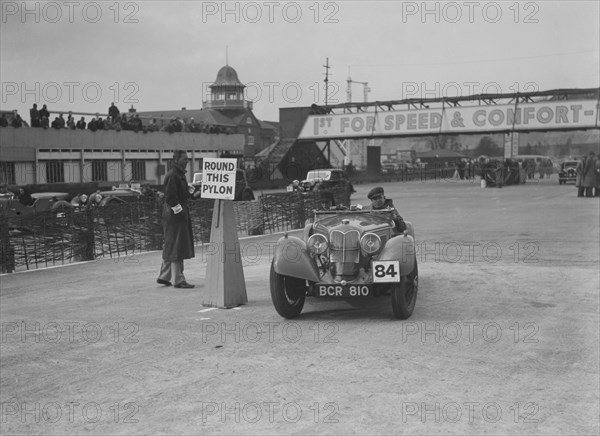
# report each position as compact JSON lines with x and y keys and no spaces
{"x":243,"y":191}
{"x":567,"y":172}
{"x":350,"y":255}
{"x":122,"y":193}
{"x":389,"y":168}
{"x":323,"y":179}
{"x":43,"y":201}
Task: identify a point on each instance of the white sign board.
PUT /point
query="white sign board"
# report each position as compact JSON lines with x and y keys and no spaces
{"x":218,"y":178}
{"x":511,"y":145}
{"x":548,"y":115}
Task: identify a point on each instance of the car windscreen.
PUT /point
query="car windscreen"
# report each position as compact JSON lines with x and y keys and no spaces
{"x":323,"y":175}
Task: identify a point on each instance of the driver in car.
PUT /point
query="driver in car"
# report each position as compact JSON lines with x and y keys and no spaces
{"x":379,"y":202}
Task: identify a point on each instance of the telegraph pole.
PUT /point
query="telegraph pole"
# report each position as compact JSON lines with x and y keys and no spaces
{"x":326,"y":102}
{"x":326,"y":79}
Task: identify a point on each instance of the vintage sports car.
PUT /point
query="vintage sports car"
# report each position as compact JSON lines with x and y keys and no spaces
{"x":568,"y":172}
{"x":346,"y":254}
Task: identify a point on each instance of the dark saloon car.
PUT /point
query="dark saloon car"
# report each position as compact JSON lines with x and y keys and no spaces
{"x":567,"y":172}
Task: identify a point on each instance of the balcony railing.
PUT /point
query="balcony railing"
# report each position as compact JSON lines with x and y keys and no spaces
{"x":224,"y":104}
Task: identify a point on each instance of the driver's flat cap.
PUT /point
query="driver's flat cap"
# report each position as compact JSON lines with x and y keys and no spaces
{"x":375,"y":192}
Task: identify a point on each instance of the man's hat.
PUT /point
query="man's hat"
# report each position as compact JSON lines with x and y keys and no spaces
{"x":375,"y":192}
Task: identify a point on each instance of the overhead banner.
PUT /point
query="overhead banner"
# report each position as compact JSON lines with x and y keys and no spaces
{"x":218,"y":178}
{"x":548,"y":115}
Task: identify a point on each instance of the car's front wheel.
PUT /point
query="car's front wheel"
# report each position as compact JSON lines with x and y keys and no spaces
{"x":288,"y":294}
{"x":404,"y":294}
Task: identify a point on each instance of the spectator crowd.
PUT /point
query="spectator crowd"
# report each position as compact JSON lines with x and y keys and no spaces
{"x":40,"y":118}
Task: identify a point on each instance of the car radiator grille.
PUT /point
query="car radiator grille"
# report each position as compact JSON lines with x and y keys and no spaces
{"x":344,"y":246}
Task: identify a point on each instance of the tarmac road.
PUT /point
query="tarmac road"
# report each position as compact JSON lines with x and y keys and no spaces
{"x":504,"y":338}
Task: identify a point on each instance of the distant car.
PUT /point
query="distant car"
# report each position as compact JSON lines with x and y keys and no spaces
{"x":324,"y":179}
{"x":567,"y":172}
{"x":43,"y":201}
{"x":122,"y":193}
{"x":243,"y":191}
{"x":353,"y":255}
{"x":389,"y":168}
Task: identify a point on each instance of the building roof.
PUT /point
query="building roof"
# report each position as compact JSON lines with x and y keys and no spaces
{"x":273,"y":125}
{"x":227,"y":76}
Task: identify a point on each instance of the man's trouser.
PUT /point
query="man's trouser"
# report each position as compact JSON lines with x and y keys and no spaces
{"x":172,"y":269}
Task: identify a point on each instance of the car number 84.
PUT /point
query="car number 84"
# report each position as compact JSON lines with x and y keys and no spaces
{"x":386,"y":271}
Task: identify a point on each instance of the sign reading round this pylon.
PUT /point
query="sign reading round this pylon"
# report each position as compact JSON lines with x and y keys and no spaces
{"x":218,"y":178}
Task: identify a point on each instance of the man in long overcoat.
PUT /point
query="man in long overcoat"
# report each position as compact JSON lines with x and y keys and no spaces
{"x":177,"y":225}
{"x":588,"y":176}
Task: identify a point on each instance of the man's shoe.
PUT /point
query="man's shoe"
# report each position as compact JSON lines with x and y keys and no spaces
{"x":163,"y":282}
{"x":184,"y":285}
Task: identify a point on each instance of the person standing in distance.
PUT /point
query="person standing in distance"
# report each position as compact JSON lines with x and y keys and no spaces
{"x":177,"y":225}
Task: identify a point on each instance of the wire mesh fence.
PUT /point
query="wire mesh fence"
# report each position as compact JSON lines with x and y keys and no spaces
{"x":58,"y":237}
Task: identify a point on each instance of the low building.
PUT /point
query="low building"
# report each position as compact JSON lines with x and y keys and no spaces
{"x":36,"y":156}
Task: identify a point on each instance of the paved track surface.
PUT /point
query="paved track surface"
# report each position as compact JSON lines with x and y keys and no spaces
{"x":503,"y":340}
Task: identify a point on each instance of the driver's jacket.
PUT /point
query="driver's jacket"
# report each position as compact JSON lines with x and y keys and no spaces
{"x":398,"y":220}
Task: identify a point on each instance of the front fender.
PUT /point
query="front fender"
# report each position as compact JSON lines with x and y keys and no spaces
{"x":292,"y":259}
{"x":401,"y":248}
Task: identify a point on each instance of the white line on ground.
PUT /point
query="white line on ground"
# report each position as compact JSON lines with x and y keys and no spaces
{"x":207,"y":310}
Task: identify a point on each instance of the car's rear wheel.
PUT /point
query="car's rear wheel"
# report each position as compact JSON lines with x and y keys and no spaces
{"x":404,"y":294}
{"x":288,"y":294}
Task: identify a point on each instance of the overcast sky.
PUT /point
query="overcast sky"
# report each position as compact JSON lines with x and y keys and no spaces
{"x":157,"y":55}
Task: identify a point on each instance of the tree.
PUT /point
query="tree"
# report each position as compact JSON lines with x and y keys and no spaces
{"x":444,"y":142}
{"x":488,"y":147}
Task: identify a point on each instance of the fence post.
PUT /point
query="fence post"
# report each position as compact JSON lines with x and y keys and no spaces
{"x":7,"y":251}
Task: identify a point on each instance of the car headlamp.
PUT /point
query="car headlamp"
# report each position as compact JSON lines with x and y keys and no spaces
{"x":370,"y":243}
{"x":83,"y":198}
{"x":98,"y":198}
{"x":317,"y":244}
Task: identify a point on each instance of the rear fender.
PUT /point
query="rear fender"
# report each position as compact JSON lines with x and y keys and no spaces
{"x":292,"y":259}
{"x":402,"y":249}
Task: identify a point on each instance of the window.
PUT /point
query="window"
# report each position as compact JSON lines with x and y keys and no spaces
{"x":99,"y":171}
{"x":231,"y":96}
{"x":138,"y":170}
{"x":55,"y":171}
{"x":7,"y":173}
{"x":250,"y":140}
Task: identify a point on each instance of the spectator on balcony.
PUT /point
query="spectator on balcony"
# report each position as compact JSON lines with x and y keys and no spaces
{"x":3,"y":121}
{"x":136,"y":123}
{"x":81,"y":123}
{"x":191,"y":126}
{"x":71,"y":122}
{"x":113,"y":112}
{"x":35,"y":116}
{"x":17,"y":121}
{"x":61,"y":121}
{"x":93,"y":125}
{"x":45,"y":122}
{"x":153,"y":126}
{"x":100,"y":123}
{"x":124,"y":122}
{"x":44,"y":112}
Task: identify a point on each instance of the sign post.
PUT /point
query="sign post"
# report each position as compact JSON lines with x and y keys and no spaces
{"x":225,"y":283}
